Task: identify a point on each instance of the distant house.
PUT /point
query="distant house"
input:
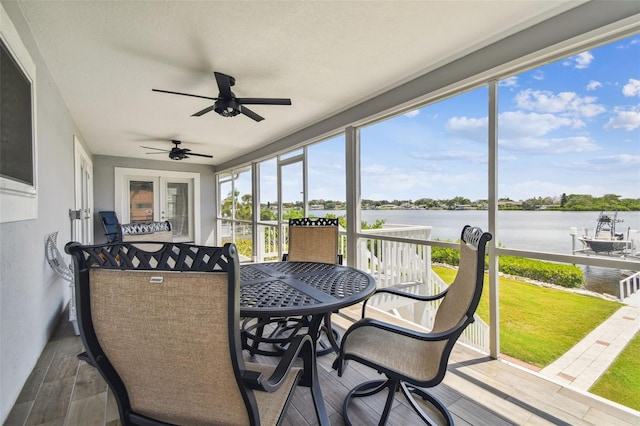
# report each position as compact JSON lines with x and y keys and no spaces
{"x":509,"y":203}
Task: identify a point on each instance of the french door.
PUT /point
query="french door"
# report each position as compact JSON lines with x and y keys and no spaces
{"x":148,"y":195}
{"x":82,"y":223}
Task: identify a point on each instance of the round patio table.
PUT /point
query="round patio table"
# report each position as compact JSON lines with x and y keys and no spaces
{"x":275,"y":292}
{"x":299,"y":289}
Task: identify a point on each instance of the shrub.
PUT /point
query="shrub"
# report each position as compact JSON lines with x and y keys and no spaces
{"x":553,"y":273}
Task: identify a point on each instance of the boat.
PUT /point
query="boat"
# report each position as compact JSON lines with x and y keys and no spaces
{"x":606,"y":239}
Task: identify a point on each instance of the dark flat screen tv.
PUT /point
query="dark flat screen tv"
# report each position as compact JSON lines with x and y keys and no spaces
{"x":16,"y":127}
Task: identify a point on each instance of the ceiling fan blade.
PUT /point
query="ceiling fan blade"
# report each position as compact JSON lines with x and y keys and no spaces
{"x":264,"y":101}
{"x":246,"y":111}
{"x":157,"y":149}
{"x":224,"y":84}
{"x":184,"y":94}
{"x":201,"y":155}
{"x":203,"y":112}
{"x":148,"y":153}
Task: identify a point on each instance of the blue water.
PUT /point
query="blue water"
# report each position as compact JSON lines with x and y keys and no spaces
{"x":547,"y":231}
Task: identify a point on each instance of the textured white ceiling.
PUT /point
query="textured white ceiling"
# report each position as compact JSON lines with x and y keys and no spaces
{"x":106,"y":56}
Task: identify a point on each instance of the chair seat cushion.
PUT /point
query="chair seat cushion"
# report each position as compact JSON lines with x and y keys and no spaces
{"x":417,"y":359}
{"x":271,"y":404}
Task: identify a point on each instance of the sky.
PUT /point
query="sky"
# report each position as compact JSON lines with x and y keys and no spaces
{"x":571,"y":126}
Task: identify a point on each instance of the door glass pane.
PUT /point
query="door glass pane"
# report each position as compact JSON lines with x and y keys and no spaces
{"x":292,"y":190}
{"x":225,"y":209}
{"x":140,"y":201}
{"x":243,"y":208}
{"x":268,"y":191}
{"x":178,"y":208}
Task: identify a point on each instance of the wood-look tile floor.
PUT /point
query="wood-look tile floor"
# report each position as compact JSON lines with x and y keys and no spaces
{"x":478,"y":391}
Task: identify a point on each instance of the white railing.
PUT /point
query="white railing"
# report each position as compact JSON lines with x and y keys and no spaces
{"x":269,"y":247}
{"x":407,"y":264}
{"x":629,"y":285}
{"x":396,"y":256}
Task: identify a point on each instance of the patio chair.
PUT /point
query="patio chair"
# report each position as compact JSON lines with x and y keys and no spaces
{"x":412,"y":360}
{"x":162,"y":329}
{"x":110,"y":222}
{"x":310,"y":240}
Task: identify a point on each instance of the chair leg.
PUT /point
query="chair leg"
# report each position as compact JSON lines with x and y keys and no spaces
{"x":408,"y":390}
{"x":293,"y":326}
{"x":368,"y":389}
{"x":332,"y":335}
{"x":375,"y":386}
{"x":252,"y":335}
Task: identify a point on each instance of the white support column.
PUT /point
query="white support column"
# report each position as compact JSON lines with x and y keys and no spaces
{"x":494,"y":305}
{"x":257,"y":238}
{"x":352,"y":168}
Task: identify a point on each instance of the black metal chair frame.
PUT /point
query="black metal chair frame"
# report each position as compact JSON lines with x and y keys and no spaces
{"x":285,"y":328}
{"x":181,"y":257}
{"x":396,"y":380}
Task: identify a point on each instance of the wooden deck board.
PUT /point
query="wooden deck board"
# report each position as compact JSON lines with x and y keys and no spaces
{"x":478,"y":391}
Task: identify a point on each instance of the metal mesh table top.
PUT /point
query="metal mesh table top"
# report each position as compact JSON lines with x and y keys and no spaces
{"x":300,"y":288}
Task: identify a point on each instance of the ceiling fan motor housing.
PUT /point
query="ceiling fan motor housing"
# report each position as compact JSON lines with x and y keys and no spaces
{"x":227,"y":107}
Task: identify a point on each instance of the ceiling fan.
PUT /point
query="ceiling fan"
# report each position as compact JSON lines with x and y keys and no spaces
{"x":176,"y":153}
{"x":226,"y":104}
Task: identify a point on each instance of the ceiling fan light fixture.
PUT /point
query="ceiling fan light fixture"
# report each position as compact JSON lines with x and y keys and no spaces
{"x":227,"y":108}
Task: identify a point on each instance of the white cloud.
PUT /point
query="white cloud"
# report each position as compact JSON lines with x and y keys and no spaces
{"x":549,"y":146}
{"x":593,"y":85}
{"x":509,"y":82}
{"x":468,"y":127}
{"x":520,"y":124}
{"x":632,"y":88}
{"x":519,"y":131}
{"x":568,"y":103}
{"x":538,"y":75}
{"x":624,"y":119}
{"x":376,"y":169}
{"x":615,"y":162}
{"x":413,"y":113}
{"x":470,"y":156}
{"x":579,"y":61}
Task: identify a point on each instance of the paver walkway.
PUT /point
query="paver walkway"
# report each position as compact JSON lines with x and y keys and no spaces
{"x":583,"y":364}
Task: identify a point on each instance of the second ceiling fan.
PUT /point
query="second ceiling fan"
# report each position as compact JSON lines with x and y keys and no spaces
{"x":227,"y":104}
{"x":176,"y":153}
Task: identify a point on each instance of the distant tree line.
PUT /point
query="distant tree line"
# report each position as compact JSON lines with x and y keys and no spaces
{"x":570,"y":202}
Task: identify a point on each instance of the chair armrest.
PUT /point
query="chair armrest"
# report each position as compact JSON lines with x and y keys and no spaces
{"x":398,"y":292}
{"x":256,"y":380}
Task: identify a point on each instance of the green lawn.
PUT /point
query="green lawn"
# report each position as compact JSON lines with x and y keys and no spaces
{"x":621,"y":383}
{"x":538,"y":324}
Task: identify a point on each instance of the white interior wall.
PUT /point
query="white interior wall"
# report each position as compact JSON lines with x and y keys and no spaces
{"x":104,"y":191}
{"x":32,"y":297}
